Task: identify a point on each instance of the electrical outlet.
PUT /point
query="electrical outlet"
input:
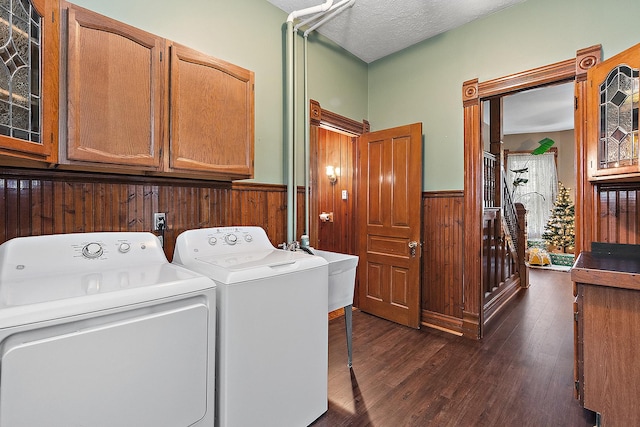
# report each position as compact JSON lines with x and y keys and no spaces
{"x":159,"y":221}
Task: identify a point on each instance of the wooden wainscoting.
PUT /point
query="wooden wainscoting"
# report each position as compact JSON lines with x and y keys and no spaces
{"x":265,"y":205}
{"x":442,"y":260}
{"x":617,"y":220}
{"x":618,"y":216}
{"x":35,"y":202}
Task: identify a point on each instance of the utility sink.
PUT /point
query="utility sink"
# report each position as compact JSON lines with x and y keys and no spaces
{"x":342,"y":277}
{"x":342,"y":280}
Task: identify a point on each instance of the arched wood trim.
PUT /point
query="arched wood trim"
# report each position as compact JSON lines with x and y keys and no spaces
{"x":473,"y":93}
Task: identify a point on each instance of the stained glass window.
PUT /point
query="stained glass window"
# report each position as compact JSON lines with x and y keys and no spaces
{"x":20,"y":48}
{"x":619,"y":118}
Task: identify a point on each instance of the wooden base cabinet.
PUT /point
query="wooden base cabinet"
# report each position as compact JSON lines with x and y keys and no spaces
{"x":608,"y":336}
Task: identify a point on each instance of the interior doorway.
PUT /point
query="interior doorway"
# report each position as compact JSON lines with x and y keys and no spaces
{"x":332,"y":143}
{"x":529,"y":117}
{"x":474,"y":93}
{"x":366,"y":199}
{"x":332,"y":166}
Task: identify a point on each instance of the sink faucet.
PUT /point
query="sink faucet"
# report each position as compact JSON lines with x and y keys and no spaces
{"x":293,"y":246}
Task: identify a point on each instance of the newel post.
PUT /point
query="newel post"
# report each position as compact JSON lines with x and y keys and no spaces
{"x":521,"y":212}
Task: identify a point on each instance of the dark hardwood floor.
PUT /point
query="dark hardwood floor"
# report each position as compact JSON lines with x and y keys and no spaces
{"x":520,"y":374}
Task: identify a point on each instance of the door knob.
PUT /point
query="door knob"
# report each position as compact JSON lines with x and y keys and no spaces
{"x":412,"y":248}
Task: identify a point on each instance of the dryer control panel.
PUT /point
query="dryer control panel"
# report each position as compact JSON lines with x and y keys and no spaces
{"x":23,"y":257}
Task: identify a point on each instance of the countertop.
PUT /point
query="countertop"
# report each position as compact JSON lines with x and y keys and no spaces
{"x":618,"y":270}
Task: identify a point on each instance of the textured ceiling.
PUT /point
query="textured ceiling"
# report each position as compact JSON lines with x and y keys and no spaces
{"x":372,"y":29}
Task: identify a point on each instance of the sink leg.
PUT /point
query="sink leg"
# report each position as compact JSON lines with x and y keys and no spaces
{"x":348,"y":323}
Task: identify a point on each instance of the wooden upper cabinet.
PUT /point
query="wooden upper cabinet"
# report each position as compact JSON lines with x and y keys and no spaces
{"x":29,"y":36}
{"x":115,"y":81}
{"x":612,"y":117}
{"x":138,"y":102}
{"x":211,"y":109}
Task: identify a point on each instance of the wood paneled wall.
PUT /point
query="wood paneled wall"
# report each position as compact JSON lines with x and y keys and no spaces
{"x":335,"y":149}
{"x":34,"y":202}
{"x":617,"y":221}
{"x":49,"y":202}
{"x":442,"y":260}
{"x":618,"y":216}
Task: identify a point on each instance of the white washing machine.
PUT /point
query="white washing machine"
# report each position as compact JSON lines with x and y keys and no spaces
{"x":272,"y":326}
{"x":99,"y":329}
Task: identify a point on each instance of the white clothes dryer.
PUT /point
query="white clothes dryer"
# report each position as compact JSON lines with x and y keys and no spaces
{"x":272,"y":338}
{"x":99,"y":329}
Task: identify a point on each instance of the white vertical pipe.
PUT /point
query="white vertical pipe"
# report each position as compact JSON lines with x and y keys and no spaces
{"x":288,"y":134}
{"x":307,"y":149}
{"x":333,"y":11}
{"x":290,"y":116}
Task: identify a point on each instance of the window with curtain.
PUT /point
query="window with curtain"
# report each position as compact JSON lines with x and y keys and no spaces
{"x":539,"y":193}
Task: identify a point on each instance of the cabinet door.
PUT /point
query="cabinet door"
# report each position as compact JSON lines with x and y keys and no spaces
{"x":612,"y":117}
{"x":29,"y":36}
{"x":115,"y":88}
{"x":211,"y":115}
{"x":611,"y":343}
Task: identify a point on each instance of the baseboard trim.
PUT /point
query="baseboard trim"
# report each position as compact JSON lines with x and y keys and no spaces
{"x":442,"y":322}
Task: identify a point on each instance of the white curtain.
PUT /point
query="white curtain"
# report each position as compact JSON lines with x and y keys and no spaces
{"x":539,"y":193}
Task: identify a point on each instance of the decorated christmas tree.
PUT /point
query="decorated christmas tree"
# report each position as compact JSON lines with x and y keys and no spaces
{"x":560,"y":228}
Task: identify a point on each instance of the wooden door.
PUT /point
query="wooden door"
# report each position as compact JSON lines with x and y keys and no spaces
{"x":389,"y":223}
{"x":114,"y":92}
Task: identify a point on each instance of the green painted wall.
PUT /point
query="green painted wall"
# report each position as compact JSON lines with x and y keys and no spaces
{"x":420,"y":84}
{"x":424,"y":82}
{"x":249,"y":33}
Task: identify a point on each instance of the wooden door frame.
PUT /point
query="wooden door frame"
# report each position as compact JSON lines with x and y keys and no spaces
{"x":473,"y":93}
{"x":320,"y":117}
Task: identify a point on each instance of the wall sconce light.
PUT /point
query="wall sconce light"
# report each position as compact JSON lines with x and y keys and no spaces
{"x":332,"y":174}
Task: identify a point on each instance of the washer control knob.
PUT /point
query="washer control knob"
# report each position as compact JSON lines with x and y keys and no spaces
{"x":231,"y":239}
{"x":92,"y":250}
{"x":248,"y":238}
{"x":213,"y":241}
{"x":124,"y":247}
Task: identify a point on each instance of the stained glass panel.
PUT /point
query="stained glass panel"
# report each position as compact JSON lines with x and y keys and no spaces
{"x":5,"y":78}
{"x":5,"y":116}
{"x":21,"y":95}
{"x":619,"y":118}
{"x":20,"y":29}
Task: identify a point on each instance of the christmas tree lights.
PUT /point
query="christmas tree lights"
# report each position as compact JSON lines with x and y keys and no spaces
{"x":560,"y":228}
